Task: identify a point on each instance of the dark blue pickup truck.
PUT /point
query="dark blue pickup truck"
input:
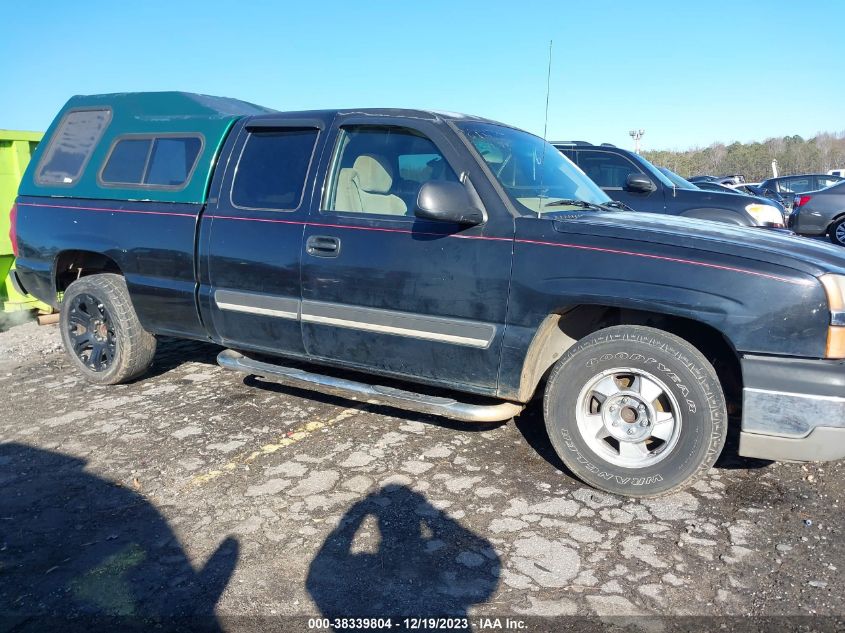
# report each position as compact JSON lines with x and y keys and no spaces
{"x":461,"y":256}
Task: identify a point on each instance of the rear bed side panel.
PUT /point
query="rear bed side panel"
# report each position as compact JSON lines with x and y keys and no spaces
{"x":151,"y":242}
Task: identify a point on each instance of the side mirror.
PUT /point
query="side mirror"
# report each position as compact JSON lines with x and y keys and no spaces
{"x":639,"y":183}
{"x":446,"y":201}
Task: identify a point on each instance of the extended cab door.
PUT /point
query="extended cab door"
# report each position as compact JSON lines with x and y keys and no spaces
{"x":610,"y":172}
{"x":389,"y":292}
{"x":251,"y":235}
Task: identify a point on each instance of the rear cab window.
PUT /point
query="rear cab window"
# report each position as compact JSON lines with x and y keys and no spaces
{"x":272,"y":168}
{"x":71,"y":146}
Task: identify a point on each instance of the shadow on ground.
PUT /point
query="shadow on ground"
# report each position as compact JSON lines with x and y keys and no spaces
{"x":395,"y":555}
{"x":78,"y":552}
{"x":172,"y":352}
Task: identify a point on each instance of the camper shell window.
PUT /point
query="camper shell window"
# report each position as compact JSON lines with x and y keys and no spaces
{"x":163,"y":161}
{"x":71,"y":146}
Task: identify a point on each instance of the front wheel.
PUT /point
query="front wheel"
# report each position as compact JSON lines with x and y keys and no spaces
{"x":635,"y":411}
{"x":101,"y":332}
{"x":837,"y":232}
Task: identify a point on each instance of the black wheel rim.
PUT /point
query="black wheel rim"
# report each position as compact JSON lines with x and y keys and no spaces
{"x":91,"y":332}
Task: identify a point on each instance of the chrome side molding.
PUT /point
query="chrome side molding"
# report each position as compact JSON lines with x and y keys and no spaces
{"x":371,"y":394}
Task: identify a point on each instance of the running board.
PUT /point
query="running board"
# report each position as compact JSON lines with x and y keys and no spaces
{"x":371,"y":394}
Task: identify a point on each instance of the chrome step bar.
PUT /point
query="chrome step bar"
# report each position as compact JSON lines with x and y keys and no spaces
{"x":371,"y":394}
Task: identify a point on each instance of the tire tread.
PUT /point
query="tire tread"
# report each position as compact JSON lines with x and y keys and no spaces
{"x":137,"y":346}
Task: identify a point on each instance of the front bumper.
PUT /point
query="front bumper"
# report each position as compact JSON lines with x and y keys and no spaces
{"x":793,"y":409}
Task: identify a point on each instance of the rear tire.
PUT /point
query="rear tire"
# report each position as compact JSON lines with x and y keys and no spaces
{"x":837,"y":232}
{"x":101,"y":332}
{"x":635,"y":411}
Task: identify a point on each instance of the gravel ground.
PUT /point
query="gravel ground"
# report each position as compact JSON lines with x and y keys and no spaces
{"x":198,"y":492}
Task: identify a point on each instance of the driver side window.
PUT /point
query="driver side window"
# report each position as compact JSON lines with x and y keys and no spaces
{"x":379,"y":170}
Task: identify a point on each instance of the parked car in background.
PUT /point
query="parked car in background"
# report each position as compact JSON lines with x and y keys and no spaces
{"x":754,"y":189}
{"x":744,"y":189}
{"x":820,"y":212}
{"x":709,"y":185}
{"x":731,"y":180}
{"x":632,"y":180}
{"x":837,"y":172}
{"x":788,"y":186}
{"x":704,"y":178}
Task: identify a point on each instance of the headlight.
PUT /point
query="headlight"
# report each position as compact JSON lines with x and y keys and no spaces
{"x":834,"y":287}
{"x":765,"y":214}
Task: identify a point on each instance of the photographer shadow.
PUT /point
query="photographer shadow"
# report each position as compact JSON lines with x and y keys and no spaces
{"x":394,"y":555}
{"x":81,"y":553}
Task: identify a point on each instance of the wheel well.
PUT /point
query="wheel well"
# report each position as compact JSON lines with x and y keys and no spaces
{"x":71,"y":265}
{"x":559,"y":332}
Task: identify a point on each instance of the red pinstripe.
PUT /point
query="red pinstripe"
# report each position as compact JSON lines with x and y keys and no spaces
{"x":408,"y":231}
{"x":64,"y":206}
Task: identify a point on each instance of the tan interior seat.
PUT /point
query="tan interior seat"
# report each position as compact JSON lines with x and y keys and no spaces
{"x":346,"y":197}
{"x":366,"y":186}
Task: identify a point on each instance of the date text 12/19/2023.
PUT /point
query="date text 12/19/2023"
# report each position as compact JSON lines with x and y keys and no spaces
{"x":417,"y":623}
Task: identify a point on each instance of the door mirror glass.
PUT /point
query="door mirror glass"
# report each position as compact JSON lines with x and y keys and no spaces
{"x":639,"y":183}
{"x":446,"y":201}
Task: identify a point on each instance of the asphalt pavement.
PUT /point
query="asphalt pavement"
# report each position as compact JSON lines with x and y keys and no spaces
{"x":206,"y":496}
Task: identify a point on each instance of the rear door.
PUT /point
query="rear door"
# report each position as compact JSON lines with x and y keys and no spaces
{"x":610,"y":171}
{"x":386,"y":291}
{"x":251,"y":236}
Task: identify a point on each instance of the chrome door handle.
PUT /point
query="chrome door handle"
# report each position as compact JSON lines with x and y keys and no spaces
{"x":322,"y":246}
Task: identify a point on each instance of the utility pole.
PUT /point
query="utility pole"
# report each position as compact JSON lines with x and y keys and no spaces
{"x":636,"y":135}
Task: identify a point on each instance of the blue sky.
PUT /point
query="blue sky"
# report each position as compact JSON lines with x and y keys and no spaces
{"x":688,"y":73}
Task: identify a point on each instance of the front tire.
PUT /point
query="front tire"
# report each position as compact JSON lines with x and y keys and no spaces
{"x":837,"y":232}
{"x":635,"y":411}
{"x":101,"y":332}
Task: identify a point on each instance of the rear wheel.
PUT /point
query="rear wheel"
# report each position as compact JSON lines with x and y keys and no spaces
{"x":837,"y":232}
{"x":101,"y":332}
{"x":635,"y":411}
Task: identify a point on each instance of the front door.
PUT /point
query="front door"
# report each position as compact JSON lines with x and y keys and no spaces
{"x":386,"y":291}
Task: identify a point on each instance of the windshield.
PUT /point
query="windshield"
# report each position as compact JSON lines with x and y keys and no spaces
{"x":532,"y":172}
{"x":679,"y":182}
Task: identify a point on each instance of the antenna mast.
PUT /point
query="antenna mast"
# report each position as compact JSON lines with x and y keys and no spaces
{"x":548,"y":90}
{"x":545,"y":129}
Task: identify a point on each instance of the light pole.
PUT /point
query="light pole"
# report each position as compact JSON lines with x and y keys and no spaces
{"x":636,"y":135}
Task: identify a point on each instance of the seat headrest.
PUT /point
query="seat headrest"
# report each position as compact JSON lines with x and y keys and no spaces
{"x":374,"y":173}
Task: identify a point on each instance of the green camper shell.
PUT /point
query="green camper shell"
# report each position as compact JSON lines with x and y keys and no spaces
{"x":165,"y":146}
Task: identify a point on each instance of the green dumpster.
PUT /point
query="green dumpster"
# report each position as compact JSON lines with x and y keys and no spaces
{"x":15,"y":151}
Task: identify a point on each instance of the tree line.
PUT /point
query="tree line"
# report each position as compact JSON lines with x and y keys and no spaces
{"x":794,"y":155}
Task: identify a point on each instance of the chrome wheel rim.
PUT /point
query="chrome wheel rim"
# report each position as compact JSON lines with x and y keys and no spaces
{"x":840,"y":233}
{"x":91,"y":332}
{"x":628,"y":417}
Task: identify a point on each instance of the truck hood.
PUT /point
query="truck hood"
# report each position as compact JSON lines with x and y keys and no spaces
{"x":775,"y":247}
{"x":719,"y":199}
